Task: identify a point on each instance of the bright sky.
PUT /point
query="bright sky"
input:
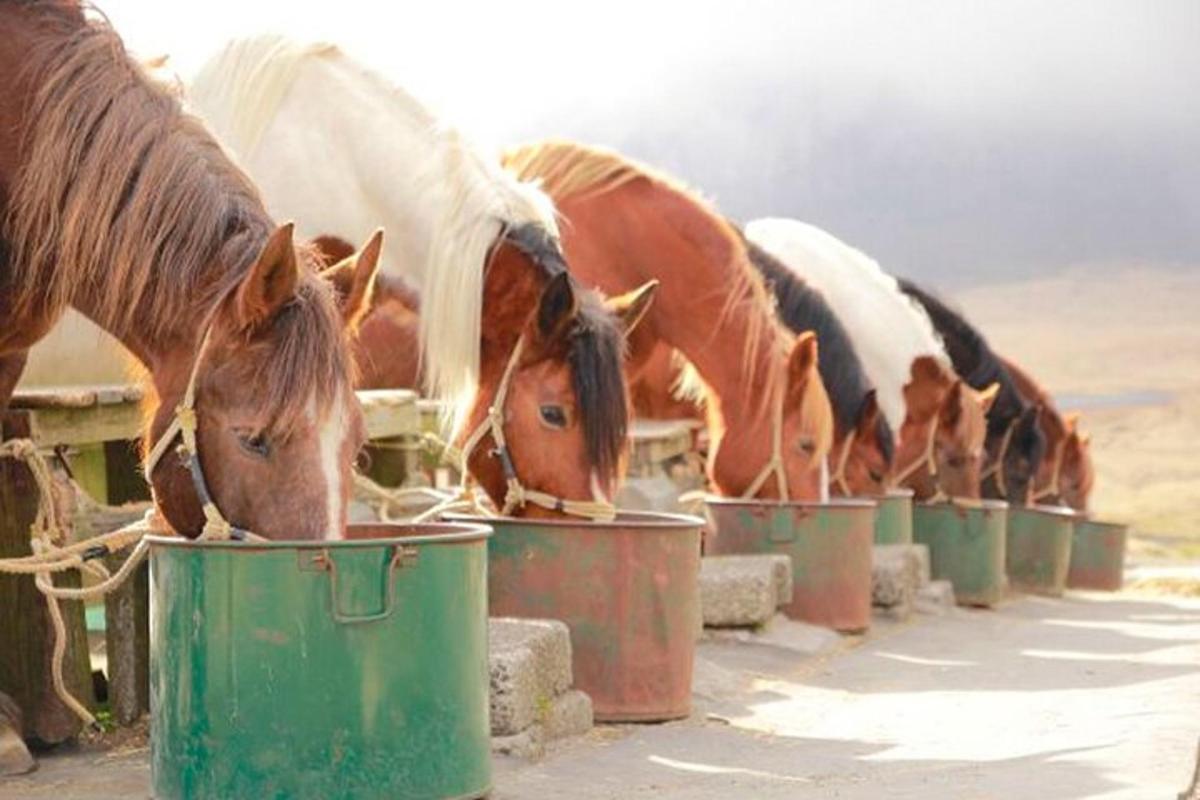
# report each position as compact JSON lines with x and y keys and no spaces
{"x":693,"y":85}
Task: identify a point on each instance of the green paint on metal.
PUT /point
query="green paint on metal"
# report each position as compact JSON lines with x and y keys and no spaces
{"x":1038,"y":550}
{"x":894,"y":518}
{"x":829,"y":545}
{"x":628,"y":592}
{"x":1097,"y":555}
{"x":966,"y":547}
{"x":275,"y":674}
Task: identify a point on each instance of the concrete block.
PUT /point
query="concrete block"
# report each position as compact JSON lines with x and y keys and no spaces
{"x":14,"y":755}
{"x":936,"y":597}
{"x":570,"y":714}
{"x":529,"y":743}
{"x":743,"y":590}
{"x":529,"y":665}
{"x":897,"y":572}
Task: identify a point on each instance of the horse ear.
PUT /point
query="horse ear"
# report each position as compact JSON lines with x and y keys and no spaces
{"x":271,"y":282}
{"x":1072,"y":420}
{"x":868,"y":415}
{"x":353,"y":278}
{"x":557,"y":307}
{"x":951,"y":409}
{"x":987,"y":397}
{"x":632,"y":306}
{"x":803,"y":358}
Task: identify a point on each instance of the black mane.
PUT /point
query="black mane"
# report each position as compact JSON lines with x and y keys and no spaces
{"x":971,"y":356}
{"x":596,"y":354}
{"x":802,"y":308}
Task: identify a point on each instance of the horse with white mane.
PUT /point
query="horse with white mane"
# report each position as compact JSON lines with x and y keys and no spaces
{"x":940,"y":419}
{"x":500,"y":314}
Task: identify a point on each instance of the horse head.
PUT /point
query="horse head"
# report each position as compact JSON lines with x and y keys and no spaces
{"x":268,"y":399}
{"x":862,"y":461}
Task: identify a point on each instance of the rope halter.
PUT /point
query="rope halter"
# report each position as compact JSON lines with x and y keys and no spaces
{"x":183,"y":425}
{"x":995,"y":470}
{"x":1051,"y":489}
{"x":839,"y":472}
{"x":775,"y":465}
{"x":517,"y":494}
{"x":927,"y":459}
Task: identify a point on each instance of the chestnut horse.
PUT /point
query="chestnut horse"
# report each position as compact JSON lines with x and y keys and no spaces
{"x":770,"y":423}
{"x":1015,"y":443}
{"x":119,"y":204}
{"x":940,"y":421}
{"x":863,"y":441}
{"x":501,"y":317}
{"x":1065,"y":475}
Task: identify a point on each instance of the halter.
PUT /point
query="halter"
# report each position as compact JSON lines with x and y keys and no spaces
{"x":996,"y":469}
{"x":928,"y":459}
{"x":774,"y":465}
{"x":1051,"y":489}
{"x":183,"y":424}
{"x":517,"y":494}
{"x":839,"y":474}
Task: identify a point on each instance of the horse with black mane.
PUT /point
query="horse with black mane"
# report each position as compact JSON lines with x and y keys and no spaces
{"x":1015,"y":442}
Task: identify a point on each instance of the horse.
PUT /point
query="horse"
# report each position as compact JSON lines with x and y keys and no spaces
{"x":1016,"y":445}
{"x":502,"y":321}
{"x":770,"y":421}
{"x":1065,"y":475}
{"x":940,"y":421}
{"x":864,"y":444}
{"x":116,"y":202}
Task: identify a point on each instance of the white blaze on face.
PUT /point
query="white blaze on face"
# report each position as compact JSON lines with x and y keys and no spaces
{"x":331,"y":439}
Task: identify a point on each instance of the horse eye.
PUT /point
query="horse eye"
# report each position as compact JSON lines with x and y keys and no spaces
{"x":255,"y":444}
{"x":957,"y":462}
{"x":554,"y":416}
{"x":875,"y":475}
{"x":808,"y":446}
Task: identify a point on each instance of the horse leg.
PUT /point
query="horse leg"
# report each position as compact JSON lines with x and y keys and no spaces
{"x":11,"y":366}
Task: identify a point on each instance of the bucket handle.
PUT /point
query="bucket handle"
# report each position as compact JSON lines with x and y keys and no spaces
{"x":401,"y":557}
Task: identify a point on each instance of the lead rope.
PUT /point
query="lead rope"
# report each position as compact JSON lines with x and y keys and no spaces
{"x":928,"y":459}
{"x":996,"y":469}
{"x":50,"y":556}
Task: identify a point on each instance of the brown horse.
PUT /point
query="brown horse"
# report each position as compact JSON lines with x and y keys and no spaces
{"x":770,"y":422}
{"x":118,"y":203}
{"x":1065,"y":475}
{"x":941,"y":449}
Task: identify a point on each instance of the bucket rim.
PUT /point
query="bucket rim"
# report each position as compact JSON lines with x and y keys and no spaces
{"x":444,"y":533}
{"x":833,"y":502}
{"x":625,"y":520}
{"x":896,"y":493}
{"x":985,"y":504}
{"x":1046,"y":510}
{"x":1083,"y":518}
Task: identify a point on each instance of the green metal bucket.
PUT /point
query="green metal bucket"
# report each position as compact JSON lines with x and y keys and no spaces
{"x":628,"y":591}
{"x":325,"y":669}
{"x":894,"y":518}
{"x":1097,"y":555}
{"x":966,"y":541}
{"x":1038,"y":550}
{"x":829,"y":544}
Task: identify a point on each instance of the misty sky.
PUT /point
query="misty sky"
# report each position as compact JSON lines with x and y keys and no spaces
{"x":955,"y":141}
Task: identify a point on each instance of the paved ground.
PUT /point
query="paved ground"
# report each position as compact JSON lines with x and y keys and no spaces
{"x":1090,"y":696}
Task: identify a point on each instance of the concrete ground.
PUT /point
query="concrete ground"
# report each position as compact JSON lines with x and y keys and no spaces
{"x":1091,"y":696}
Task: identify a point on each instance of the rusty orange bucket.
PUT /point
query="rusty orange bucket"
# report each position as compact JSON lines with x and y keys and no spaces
{"x":628,"y":591}
{"x":829,"y":544}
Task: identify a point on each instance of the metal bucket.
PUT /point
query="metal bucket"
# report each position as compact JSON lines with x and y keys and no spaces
{"x":323,"y":669}
{"x":1038,"y":550}
{"x":966,"y":541}
{"x":628,"y":591}
{"x":1097,"y":555}
{"x":894,"y":519}
{"x":829,"y":544}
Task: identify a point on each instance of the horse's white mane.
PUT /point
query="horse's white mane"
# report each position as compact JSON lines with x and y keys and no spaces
{"x":887,"y":328}
{"x":446,"y":201}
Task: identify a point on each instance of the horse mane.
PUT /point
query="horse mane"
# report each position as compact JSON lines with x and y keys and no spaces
{"x":123,"y":195}
{"x":566,"y":169}
{"x":972,"y":357}
{"x":801,"y":307}
{"x":886,"y":328}
{"x":474,"y":201}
